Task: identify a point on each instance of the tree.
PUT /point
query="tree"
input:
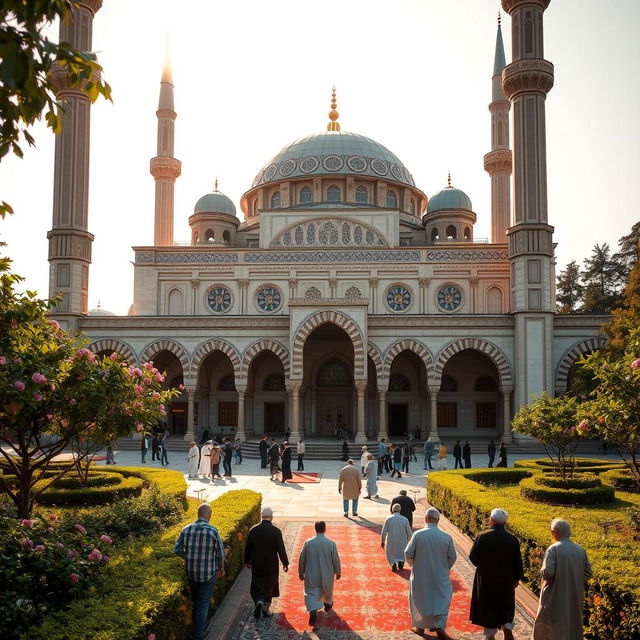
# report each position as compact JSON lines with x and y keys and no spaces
{"x":603,"y":277}
{"x":27,"y":56}
{"x":629,"y":251}
{"x":613,"y":411}
{"x":552,"y":421}
{"x":570,"y":289}
{"x":53,"y":391}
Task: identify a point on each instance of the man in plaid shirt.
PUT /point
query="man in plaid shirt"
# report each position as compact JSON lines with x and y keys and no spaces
{"x":200,"y":545}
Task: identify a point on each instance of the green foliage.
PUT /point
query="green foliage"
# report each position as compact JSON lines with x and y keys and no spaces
{"x":169,"y":482}
{"x":80,"y":495}
{"x":27,"y":57}
{"x":144,"y":589}
{"x":552,"y":421}
{"x":582,"y":465}
{"x":603,"y":278}
{"x":633,"y":517}
{"x":621,"y":479}
{"x":498,"y":476}
{"x":569,"y":288}
{"x":612,"y":601}
{"x":541,"y":488}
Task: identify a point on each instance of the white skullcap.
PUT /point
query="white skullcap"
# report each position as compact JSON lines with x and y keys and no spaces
{"x":499,"y":515}
{"x":433,"y":513}
{"x":396,"y":507}
{"x":267,"y":512}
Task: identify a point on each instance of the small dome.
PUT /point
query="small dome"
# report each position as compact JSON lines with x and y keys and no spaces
{"x":449,"y":198}
{"x":215,"y":202}
{"x":99,"y":311}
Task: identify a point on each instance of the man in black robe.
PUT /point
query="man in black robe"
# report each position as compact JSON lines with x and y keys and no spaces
{"x":264,"y":547}
{"x":407,"y":506}
{"x":263,"y":446}
{"x":286,"y":463}
{"x":457,"y":455}
{"x":496,"y":556}
{"x":466,"y":454}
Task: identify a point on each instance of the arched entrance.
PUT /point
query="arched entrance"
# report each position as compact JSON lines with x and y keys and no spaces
{"x":169,"y":364}
{"x":266,"y":395}
{"x":216,"y":384}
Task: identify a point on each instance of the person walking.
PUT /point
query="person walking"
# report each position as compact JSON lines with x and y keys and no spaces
{"x":164,"y":447}
{"x":263,"y":447}
{"x":457,"y":455}
{"x":286,"y":462}
{"x":431,"y":554}
{"x":345,"y":451}
{"x":263,"y":549}
{"x":382,"y":452}
{"x":200,"y":546}
{"x":407,"y":505}
{"x":349,"y":485}
{"x":318,"y":564}
{"x":502,"y":456}
{"x":396,"y":532}
{"x":155,"y":446}
{"x":227,"y":452}
{"x":406,"y":456}
{"x":364,"y":458}
{"x":491,"y":451}
{"x":193,"y":460}
{"x":144,"y":447}
{"x":371,"y":476}
{"x":300,"y":450}
{"x":237,"y":450}
{"x":565,"y":569}
{"x":442,"y":457}
{"x":496,"y":555}
{"x":274,"y":459}
{"x":111,"y":456}
{"x":388,"y":462}
{"x":466,"y":454}
{"x":427,"y":452}
{"x":215,"y":458}
{"x":396,"y":456}
{"x":204,"y":468}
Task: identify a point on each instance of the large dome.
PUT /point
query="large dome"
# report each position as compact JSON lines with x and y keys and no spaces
{"x":334,"y":152}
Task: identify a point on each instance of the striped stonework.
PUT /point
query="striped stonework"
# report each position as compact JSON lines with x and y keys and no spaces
{"x":408,"y":344}
{"x":121,"y":348}
{"x":490,"y":350}
{"x":374,"y":353}
{"x":153,"y":349}
{"x":209,"y":347}
{"x":340,"y":320}
{"x":264,"y":345}
{"x":571,"y":355}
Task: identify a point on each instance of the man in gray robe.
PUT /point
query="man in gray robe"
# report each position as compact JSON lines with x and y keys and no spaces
{"x":431,"y":554}
{"x":319,"y":562}
{"x":565,"y":569}
{"x":396,"y":532}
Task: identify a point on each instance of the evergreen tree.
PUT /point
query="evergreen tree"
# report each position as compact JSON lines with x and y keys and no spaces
{"x":569,"y":289}
{"x":603,"y":278}
{"x":629,"y":252}
{"x":627,"y":318}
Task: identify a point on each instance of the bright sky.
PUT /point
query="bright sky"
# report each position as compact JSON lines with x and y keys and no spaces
{"x":251,"y":76}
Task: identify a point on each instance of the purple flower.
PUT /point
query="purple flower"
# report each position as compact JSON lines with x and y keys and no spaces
{"x":39,"y":548}
{"x":74,"y":577}
{"x":106,"y":539}
{"x":27,"y":523}
{"x":80,"y":528}
{"x":635,"y":364}
{"x":95,"y":555}
{"x":3,"y":360}
{"x":19,"y":385}
{"x":38,"y":378}
{"x":26,"y":543}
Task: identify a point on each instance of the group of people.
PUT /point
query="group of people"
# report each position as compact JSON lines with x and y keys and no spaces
{"x":277,"y":457}
{"x":429,"y":552}
{"x":158,"y":440}
{"x":206,"y":461}
{"x":461,"y":454}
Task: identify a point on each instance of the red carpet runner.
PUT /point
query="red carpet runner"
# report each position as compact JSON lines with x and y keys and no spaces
{"x":369,"y":596}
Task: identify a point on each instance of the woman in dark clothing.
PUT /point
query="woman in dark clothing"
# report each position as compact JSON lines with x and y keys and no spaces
{"x":286,"y":463}
{"x":502,"y":455}
{"x":345,"y":451}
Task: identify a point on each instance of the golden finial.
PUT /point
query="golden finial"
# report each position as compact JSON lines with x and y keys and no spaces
{"x":215,"y":188}
{"x":499,"y":19}
{"x":333,"y":125}
{"x":449,"y":180}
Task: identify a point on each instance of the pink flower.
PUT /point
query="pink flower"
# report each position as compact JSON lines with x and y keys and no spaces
{"x":138,"y":388}
{"x":137,"y":371}
{"x":148,"y":366}
{"x":159,"y":377}
{"x":156,"y":395}
{"x":26,"y":543}
{"x":114,"y":356}
{"x":39,"y":548}
{"x":582,"y":427}
{"x":3,"y":360}
{"x":17,"y":361}
{"x":635,"y":364}
{"x":38,"y":378}
{"x":181,"y":387}
{"x":54,"y":324}
{"x":64,"y":422}
{"x":139,"y":427}
{"x":95,"y":556}
{"x":161,"y":407}
{"x":14,"y":324}
{"x":74,"y":577}
{"x":27,"y":523}
{"x":19,"y":385}
{"x":13,"y":407}
{"x":53,"y":517}
{"x":73,"y":402}
{"x":80,"y":528}
{"x":37,"y":396}
{"x":106,"y":539}
{"x":151,"y":636}
{"x":71,"y":554}
{"x":137,"y":405}
{"x":105,"y":559}
{"x":59,"y":545}
{"x":146,"y":381}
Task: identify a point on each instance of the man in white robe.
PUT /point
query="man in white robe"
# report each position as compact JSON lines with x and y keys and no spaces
{"x":319,"y":562}
{"x":204,"y":469}
{"x":431,"y":554}
{"x":193,"y":459}
{"x":396,"y":532}
{"x":565,"y":569}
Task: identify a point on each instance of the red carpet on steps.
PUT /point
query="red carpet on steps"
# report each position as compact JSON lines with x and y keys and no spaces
{"x":369,"y":596}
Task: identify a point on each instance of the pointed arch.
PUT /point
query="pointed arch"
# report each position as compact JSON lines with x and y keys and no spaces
{"x":151,"y":350}
{"x":264,"y":345}
{"x":374,"y":353}
{"x":209,"y":347}
{"x":340,"y":320}
{"x":121,"y":348}
{"x":571,"y":355}
{"x":494,"y":353}
{"x":408,"y":344}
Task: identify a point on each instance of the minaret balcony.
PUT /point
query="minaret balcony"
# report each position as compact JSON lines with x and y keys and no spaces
{"x":530,"y":75}
{"x":165,"y":167}
{"x":498,"y":161}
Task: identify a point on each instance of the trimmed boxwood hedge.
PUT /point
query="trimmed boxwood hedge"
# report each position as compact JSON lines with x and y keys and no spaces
{"x":144,"y":589}
{"x":583,"y":481}
{"x":535,"y":488}
{"x":78,"y":495}
{"x":620,"y":479}
{"x":583,"y":465}
{"x":612,"y":601}
{"x":170,"y":482}
{"x":498,"y":476}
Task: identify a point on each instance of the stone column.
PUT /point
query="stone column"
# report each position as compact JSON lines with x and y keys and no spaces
{"x":433,"y":429}
{"x":473,"y":282}
{"x":361,"y":436}
{"x":373,"y":295}
{"x":191,"y":427}
{"x":382,"y":399}
{"x":424,"y":293}
{"x":244,"y":285}
{"x":333,"y":286}
{"x":293,"y":287}
{"x":507,"y":435}
{"x":294,"y":413}
{"x":240,"y":432}
{"x":424,"y":412}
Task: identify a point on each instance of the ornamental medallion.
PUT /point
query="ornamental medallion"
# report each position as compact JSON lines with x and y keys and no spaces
{"x":268,"y":298}
{"x":449,"y":298}
{"x":219,"y":299}
{"x":398,"y":298}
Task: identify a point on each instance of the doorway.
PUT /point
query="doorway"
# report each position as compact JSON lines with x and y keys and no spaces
{"x":333,"y":411}
{"x":274,"y":417}
{"x":178,"y":421}
{"x":398,"y":419}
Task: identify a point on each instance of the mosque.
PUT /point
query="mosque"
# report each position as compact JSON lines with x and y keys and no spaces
{"x":338,"y":294}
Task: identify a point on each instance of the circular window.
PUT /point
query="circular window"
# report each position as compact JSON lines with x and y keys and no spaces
{"x":268,"y":298}
{"x":309,"y":164}
{"x":449,"y":298}
{"x":398,"y":297}
{"x":219,"y":299}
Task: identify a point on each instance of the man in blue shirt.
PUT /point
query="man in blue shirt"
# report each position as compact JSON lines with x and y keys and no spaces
{"x":200,"y":545}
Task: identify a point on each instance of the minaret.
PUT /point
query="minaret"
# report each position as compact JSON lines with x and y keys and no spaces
{"x":69,"y":238}
{"x":164,"y":167}
{"x":498,"y":162}
{"x":526,"y":82}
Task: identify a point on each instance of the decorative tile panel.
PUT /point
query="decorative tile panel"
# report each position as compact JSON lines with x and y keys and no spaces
{"x":285,"y":257}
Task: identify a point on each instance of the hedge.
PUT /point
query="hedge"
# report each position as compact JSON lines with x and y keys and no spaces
{"x":170,"y":482}
{"x":620,"y":479}
{"x":498,"y":476}
{"x":583,"y":465}
{"x":144,"y":588}
{"x":583,"y":481}
{"x":536,"y":489}
{"x":90,"y":495}
{"x":612,"y":602}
